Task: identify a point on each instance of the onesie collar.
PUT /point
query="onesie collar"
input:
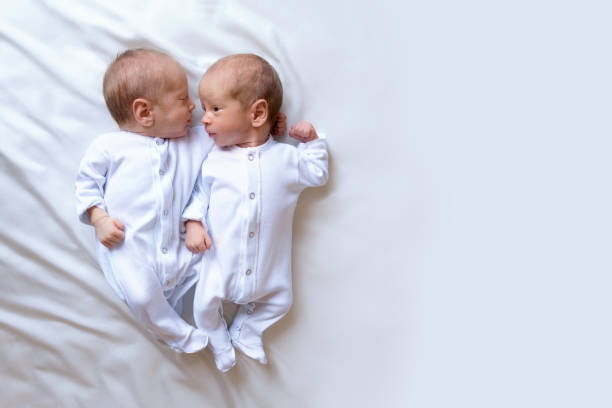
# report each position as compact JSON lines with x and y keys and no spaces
{"x":264,"y":146}
{"x":271,"y":141}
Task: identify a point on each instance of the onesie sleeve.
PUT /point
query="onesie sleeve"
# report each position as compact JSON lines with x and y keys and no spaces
{"x":312,"y":162}
{"x":90,"y":181}
{"x":197,"y":206}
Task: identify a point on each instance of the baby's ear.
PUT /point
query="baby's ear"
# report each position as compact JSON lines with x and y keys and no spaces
{"x":259,"y":113}
{"x":142,"y":109}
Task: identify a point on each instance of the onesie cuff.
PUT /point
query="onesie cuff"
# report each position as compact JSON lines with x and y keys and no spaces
{"x":82,"y":211}
{"x":194,"y":216}
{"x":322,"y":139}
{"x":191,"y":213}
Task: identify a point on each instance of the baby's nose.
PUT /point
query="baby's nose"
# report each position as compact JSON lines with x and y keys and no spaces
{"x":206,"y":117}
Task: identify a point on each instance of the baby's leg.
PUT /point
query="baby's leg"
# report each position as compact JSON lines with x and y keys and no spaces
{"x":208,"y":315}
{"x":144,"y":296}
{"x":255,"y":317}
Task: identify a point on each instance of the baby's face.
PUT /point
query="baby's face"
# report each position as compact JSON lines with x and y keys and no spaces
{"x":172,"y":112}
{"x":226,"y":120}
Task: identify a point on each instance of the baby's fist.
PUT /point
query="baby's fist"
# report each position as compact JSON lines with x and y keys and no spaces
{"x":303,"y":131}
{"x":109,"y":231}
{"x":280,"y":125}
{"x":196,"y":238}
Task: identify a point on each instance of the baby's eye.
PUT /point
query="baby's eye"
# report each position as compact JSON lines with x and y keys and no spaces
{"x":216,"y":109}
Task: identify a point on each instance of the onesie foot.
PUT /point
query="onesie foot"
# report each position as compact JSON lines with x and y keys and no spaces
{"x":256,"y":352}
{"x":196,"y":341}
{"x":225,"y":360}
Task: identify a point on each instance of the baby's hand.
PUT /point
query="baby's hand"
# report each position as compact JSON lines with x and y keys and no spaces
{"x":280,"y":126}
{"x":109,"y":231}
{"x":303,"y":131}
{"x":196,"y":237}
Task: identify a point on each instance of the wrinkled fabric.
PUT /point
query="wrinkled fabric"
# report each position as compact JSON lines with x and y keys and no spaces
{"x":67,"y":340}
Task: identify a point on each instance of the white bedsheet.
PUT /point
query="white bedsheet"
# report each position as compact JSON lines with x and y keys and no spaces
{"x":458,"y":256}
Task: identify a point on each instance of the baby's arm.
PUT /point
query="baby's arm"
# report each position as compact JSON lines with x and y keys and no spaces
{"x":109,"y":230}
{"x":196,"y":236}
{"x":91,"y":207}
{"x":312,"y":155}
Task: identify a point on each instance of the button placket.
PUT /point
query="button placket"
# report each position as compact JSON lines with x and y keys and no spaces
{"x":252,"y":169}
{"x":162,"y":186}
{"x":254,"y":202}
{"x":165,"y":202}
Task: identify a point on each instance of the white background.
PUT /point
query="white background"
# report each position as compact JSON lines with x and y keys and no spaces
{"x":458,"y":257}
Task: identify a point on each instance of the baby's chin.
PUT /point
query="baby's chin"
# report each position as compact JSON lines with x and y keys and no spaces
{"x":222,"y":144}
{"x":176,"y":135}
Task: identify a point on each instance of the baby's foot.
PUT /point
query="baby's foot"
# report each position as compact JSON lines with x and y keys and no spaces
{"x":225,"y":359}
{"x":254,"y":351}
{"x":196,"y":341}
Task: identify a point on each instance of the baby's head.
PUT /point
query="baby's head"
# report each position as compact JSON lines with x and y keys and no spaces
{"x":241,"y":95}
{"x":146,"y":92}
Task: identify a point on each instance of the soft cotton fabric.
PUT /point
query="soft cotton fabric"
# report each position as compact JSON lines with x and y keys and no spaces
{"x":145,"y":182}
{"x":246,"y":198}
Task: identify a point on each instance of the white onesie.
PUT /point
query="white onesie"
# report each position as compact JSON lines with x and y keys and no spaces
{"x":246,"y":198}
{"x":145,"y":182}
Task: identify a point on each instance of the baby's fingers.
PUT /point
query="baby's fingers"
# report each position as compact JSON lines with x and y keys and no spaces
{"x":113,"y":240}
{"x":207,"y":243}
{"x":300,"y":130}
{"x":293,"y":132}
{"x":118,"y":224}
{"x":194,"y":247}
{"x":115,"y":237}
{"x":109,"y":242}
{"x":118,"y":235}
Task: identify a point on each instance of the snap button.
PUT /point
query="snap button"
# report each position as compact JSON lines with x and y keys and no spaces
{"x":252,"y":195}
{"x":164,"y":250}
{"x":248,"y":272}
{"x":251,"y":157}
{"x":251,"y":234}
